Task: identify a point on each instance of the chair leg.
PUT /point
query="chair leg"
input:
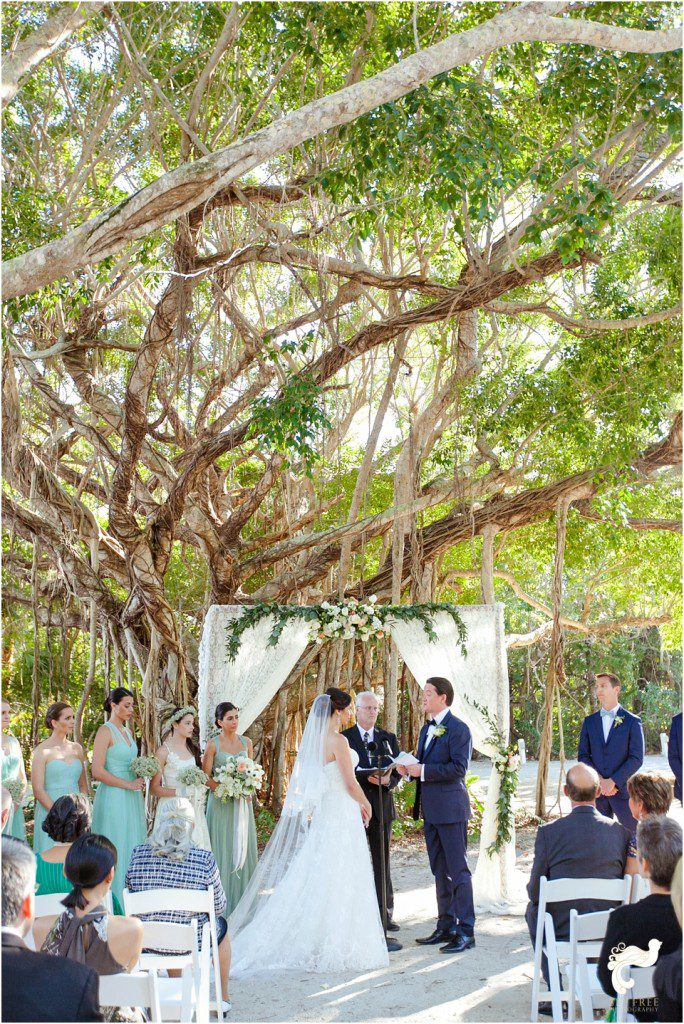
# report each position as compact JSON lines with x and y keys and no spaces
{"x":536,"y":969}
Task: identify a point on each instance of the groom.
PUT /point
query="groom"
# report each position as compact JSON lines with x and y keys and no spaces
{"x":444,"y":749}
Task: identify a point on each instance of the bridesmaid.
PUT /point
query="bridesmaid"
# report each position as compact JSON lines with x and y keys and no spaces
{"x":119,"y":808}
{"x":13,"y":768}
{"x":58,"y":768}
{"x":221,"y":816}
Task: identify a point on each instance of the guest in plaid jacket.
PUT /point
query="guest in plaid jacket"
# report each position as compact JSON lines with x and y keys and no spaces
{"x":170,"y":860}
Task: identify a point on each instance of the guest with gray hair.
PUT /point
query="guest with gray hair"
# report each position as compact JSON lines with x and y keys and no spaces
{"x":35,"y":986}
{"x":659,"y":849}
{"x":170,"y":860}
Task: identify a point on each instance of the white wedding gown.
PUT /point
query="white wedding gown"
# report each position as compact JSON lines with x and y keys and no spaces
{"x":323,"y":913}
{"x":196,"y":796}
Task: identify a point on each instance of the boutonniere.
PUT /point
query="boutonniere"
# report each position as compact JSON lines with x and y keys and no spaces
{"x":439,"y":731}
{"x":618,"y":721}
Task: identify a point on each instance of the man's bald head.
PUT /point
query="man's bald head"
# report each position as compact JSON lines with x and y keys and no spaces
{"x":582,"y":784}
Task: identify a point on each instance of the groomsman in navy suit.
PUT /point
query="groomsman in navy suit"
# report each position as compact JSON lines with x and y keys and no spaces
{"x":674,"y":753}
{"x":444,"y":749}
{"x":612,"y":742}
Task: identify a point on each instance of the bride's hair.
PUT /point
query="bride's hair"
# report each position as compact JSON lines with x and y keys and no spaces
{"x":339,"y":700}
{"x":191,"y":744}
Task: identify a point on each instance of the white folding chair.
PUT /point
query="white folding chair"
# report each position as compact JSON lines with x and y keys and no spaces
{"x":587,"y":932}
{"x":195,"y":901}
{"x":177,"y":996}
{"x":562,"y":890}
{"x":641,"y":888}
{"x":139,"y":989}
{"x":641,"y":989}
{"x":50,"y":905}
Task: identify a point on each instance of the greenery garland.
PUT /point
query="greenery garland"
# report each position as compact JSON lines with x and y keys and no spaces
{"x":507,"y":763}
{"x":320,"y":615}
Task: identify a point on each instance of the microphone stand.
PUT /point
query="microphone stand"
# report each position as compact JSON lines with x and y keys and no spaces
{"x":375,"y":751}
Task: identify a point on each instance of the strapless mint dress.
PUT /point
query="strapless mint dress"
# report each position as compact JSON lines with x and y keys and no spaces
{"x":61,"y":777}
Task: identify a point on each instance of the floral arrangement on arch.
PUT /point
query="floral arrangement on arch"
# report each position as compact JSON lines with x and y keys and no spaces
{"x":506,"y":761}
{"x":348,"y":620}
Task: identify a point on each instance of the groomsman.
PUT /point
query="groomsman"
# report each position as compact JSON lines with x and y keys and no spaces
{"x":444,"y":749}
{"x":612,"y":742}
{"x":674,"y":753}
{"x":360,"y":737}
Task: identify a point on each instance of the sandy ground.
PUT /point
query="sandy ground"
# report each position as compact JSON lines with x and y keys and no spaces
{"x":488,"y":983}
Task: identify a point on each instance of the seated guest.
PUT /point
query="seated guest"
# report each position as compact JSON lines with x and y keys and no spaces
{"x":68,"y":818}
{"x":170,"y":860}
{"x":6,"y":812}
{"x":667,"y":978}
{"x":36,"y":987}
{"x":659,"y":846}
{"x":674,"y":754}
{"x":85,"y":931}
{"x":649,"y":793}
{"x":584,"y":844}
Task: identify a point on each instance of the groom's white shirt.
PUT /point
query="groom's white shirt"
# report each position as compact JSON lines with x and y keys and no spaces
{"x":430,"y":734}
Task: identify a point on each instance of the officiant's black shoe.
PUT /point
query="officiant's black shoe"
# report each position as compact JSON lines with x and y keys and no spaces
{"x":392,"y":926}
{"x":459,"y":944}
{"x":433,"y":940}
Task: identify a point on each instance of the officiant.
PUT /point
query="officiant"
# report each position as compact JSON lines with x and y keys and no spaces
{"x":368,"y":740}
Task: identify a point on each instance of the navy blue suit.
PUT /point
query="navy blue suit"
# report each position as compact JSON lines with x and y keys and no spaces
{"x":674,"y":753}
{"x":445,"y":805}
{"x":616,"y":758}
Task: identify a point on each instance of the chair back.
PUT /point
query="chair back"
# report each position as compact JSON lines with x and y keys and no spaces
{"x":181,"y":938}
{"x":641,"y":989}
{"x":139,"y":989}
{"x":50,"y":905}
{"x":151,"y":901}
{"x":562,"y":890}
{"x":588,"y":927}
{"x":641,"y":887}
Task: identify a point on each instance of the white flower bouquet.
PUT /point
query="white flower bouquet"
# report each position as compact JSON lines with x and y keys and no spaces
{"x":349,"y":620}
{"x":145,"y":767}
{"x":239,"y":777}
{"x":192,"y":777}
{"x":15,"y":788}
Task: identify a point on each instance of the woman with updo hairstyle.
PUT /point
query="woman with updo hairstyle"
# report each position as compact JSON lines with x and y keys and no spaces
{"x":13,"y":770}
{"x":221,"y":816}
{"x":85,"y":931}
{"x":58,"y":767}
{"x":119,"y":808}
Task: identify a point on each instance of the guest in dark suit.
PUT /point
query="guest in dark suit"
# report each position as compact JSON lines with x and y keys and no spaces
{"x":444,"y":749}
{"x":674,"y":753}
{"x":612,"y":742}
{"x":667,"y":977}
{"x":659,"y":844}
{"x":361,"y":736}
{"x":35,"y":986}
{"x":584,"y":844}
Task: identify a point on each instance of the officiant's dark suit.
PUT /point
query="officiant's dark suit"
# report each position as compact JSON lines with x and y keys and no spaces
{"x":386,"y":742}
{"x":444,"y":749}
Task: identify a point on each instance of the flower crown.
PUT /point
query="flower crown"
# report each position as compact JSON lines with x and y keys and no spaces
{"x":181,"y":713}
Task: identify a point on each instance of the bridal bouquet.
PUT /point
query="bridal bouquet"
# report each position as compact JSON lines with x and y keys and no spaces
{"x":192,"y":777}
{"x":239,"y":778}
{"x":15,"y":788}
{"x":351,"y":620}
{"x":145,"y":767}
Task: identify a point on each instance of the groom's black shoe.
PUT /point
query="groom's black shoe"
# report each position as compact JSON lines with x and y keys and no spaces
{"x":437,"y":936}
{"x":459,"y":943}
{"x":392,"y":926}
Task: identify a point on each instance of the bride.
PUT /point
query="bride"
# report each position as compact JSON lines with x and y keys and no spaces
{"x":311,"y":903}
{"x":179,"y":751}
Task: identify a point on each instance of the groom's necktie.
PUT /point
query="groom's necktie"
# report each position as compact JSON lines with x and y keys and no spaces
{"x":607,"y":725}
{"x":366,"y":739}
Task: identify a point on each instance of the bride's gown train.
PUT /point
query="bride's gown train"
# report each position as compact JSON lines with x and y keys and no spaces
{"x":323,"y":913}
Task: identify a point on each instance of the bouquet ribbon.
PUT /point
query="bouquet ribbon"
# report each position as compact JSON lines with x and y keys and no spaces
{"x":240,"y":833}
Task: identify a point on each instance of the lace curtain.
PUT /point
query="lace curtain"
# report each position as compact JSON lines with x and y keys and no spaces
{"x":481,"y":676}
{"x":253,"y":679}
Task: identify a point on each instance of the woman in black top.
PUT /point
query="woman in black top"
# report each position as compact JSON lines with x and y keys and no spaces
{"x":659,"y":844}
{"x":667,"y":978}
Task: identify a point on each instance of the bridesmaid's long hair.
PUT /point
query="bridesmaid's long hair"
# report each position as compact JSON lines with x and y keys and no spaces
{"x":192,"y":744}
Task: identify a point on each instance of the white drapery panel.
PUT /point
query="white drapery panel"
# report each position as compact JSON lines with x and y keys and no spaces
{"x":258,"y":671}
{"x":481,"y":676}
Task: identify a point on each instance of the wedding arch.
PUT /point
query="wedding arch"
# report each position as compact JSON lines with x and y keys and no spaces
{"x":246,"y":654}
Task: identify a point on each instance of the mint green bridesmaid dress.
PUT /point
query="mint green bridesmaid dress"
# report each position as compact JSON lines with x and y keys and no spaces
{"x":15,"y":825}
{"x":118,"y":813}
{"x":61,"y":777}
{"x":221,"y":820}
